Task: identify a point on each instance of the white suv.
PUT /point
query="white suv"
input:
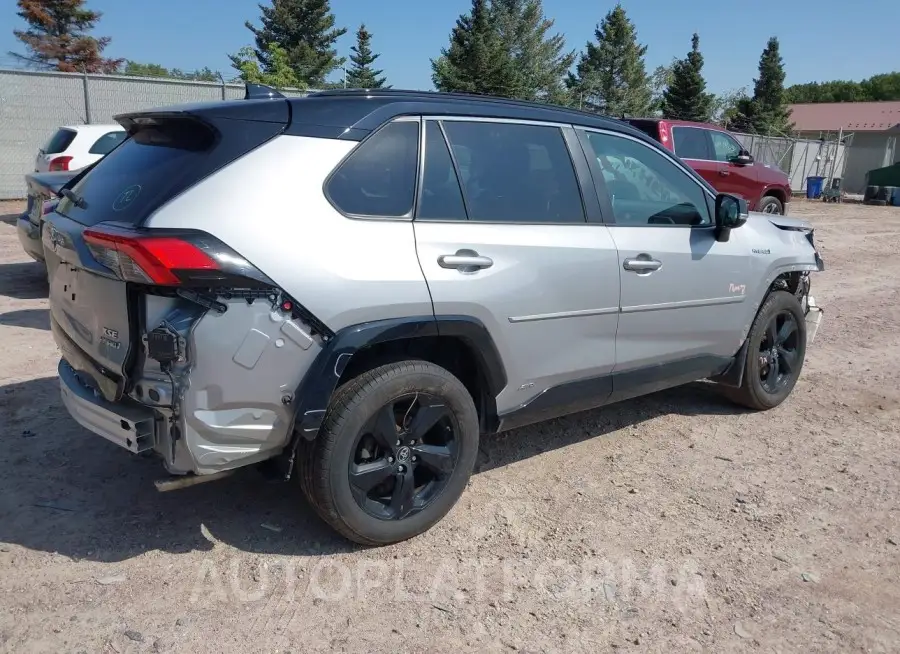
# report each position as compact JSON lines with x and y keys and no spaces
{"x":77,"y":146}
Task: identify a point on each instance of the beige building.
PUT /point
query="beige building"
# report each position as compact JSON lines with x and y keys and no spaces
{"x":871,"y":131}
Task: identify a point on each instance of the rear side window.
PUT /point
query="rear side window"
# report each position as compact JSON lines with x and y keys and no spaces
{"x":691,"y":143}
{"x":159,"y":161}
{"x":107,"y":142}
{"x":441,"y":197}
{"x":515,"y":173}
{"x":60,"y":141}
{"x":379,"y":176}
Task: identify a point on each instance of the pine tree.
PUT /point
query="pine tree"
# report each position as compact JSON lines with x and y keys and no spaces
{"x":611,"y":77}
{"x":361,"y":75}
{"x":686,"y":98}
{"x":305,"y":30}
{"x":57,"y":37}
{"x":767,"y":111}
{"x":539,"y":60}
{"x":476,"y":60}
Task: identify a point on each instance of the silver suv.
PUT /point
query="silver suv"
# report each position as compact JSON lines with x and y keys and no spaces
{"x":353,"y":286}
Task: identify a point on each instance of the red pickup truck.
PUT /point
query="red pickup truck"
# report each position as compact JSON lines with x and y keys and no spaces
{"x":722,"y":161}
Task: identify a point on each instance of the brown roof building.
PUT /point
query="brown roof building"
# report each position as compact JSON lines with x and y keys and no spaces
{"x":871,"y":131}
{"x":852,"y":116}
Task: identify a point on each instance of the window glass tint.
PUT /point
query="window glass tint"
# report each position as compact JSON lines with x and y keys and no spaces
{"x":515,"y":173}
{"x":441,"y":197}
{"x":645,"y":187}
{"x":157,"y":163}
{"x":379,"y":177}
{"x":648,"y":127}
{"x":691,"y":143}
{"x":59,"y":141}
{"x":107,"y":142}
{"x":725,"y":147}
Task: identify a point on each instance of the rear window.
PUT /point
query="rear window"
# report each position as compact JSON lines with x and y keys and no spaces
{"x":107,"y":142}
{"x":59,"y":141}
{"x":157,"y":163}
{"x":648,"y":127}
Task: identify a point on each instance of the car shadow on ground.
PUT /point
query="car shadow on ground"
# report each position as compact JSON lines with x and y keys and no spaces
{"x":24,"y":281}
{"x":28,"y":318}
{"x":9,"y":218}
{"x":65,"y":490}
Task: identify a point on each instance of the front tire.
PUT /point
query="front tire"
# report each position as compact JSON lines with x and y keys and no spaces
{"x":776,"y":349}
{"x":771,"y":205}
{"x":394,"y":453}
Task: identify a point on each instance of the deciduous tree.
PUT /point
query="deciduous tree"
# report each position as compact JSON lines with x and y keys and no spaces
{"x":277,"y":73}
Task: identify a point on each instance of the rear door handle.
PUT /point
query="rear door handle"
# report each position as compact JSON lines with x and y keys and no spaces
{"x":724,"y":173}
{"x":465,"y":261}
{"x":642,"y":264}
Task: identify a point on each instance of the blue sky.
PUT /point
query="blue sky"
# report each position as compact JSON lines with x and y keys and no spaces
{"x":820,"y":39}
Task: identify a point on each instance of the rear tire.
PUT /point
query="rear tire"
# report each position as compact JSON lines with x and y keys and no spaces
{"x":394,"y":453}
{"x":770,"y":204}
{"x":776,"y":349}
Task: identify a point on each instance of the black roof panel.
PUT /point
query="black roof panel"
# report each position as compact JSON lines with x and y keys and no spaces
{"x":352,"y":113}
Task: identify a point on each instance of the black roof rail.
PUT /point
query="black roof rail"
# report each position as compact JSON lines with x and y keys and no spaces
{"x":445,"y":95}
{"x":260,"y":92}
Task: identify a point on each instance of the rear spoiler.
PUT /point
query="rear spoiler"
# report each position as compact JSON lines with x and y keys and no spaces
{"x":260,"y":92}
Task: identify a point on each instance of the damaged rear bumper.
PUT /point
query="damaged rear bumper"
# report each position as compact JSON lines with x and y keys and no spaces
{"x":126,"y":424}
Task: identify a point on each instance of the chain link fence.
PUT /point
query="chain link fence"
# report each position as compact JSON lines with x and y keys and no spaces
{"x":34,"y":104}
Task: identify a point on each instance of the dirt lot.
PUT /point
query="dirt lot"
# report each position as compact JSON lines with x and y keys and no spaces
{"x":674,"y":523}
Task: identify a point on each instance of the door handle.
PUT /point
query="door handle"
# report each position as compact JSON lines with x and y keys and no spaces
{"x":642,"y":264}
{"x":724,"y":173}
{"x":465,"y":261}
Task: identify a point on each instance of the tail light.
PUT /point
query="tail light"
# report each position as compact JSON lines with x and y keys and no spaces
{"x":149,"y":259}
{"x":59,"y":164}
{"x":665,"y":136}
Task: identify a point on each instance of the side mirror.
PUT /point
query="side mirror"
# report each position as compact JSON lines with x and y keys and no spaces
{"x":731,"y":213}
{"x":743,"y":158}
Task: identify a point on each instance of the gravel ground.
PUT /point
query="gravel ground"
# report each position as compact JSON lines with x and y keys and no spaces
{"x":673,"y":523}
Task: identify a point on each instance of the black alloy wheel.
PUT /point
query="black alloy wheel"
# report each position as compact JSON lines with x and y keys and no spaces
{"x":778,"y":352}
{"x":394,"y":453}
{"x":776,"y":349}
{"x":404,"y":456}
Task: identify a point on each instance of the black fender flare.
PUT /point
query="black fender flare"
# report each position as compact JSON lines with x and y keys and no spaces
{"x":320,"y":381}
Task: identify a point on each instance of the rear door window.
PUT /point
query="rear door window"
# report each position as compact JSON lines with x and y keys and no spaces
{"x":107,"y":142}
{"x":441,"y":197}
{"x":515,"y":172}
{"x":378,"y":179}
{"x":691,"y":143}
{"x":60,"y":141}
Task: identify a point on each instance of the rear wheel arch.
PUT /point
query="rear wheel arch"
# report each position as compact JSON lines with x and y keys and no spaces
{"x":460,"y":344}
